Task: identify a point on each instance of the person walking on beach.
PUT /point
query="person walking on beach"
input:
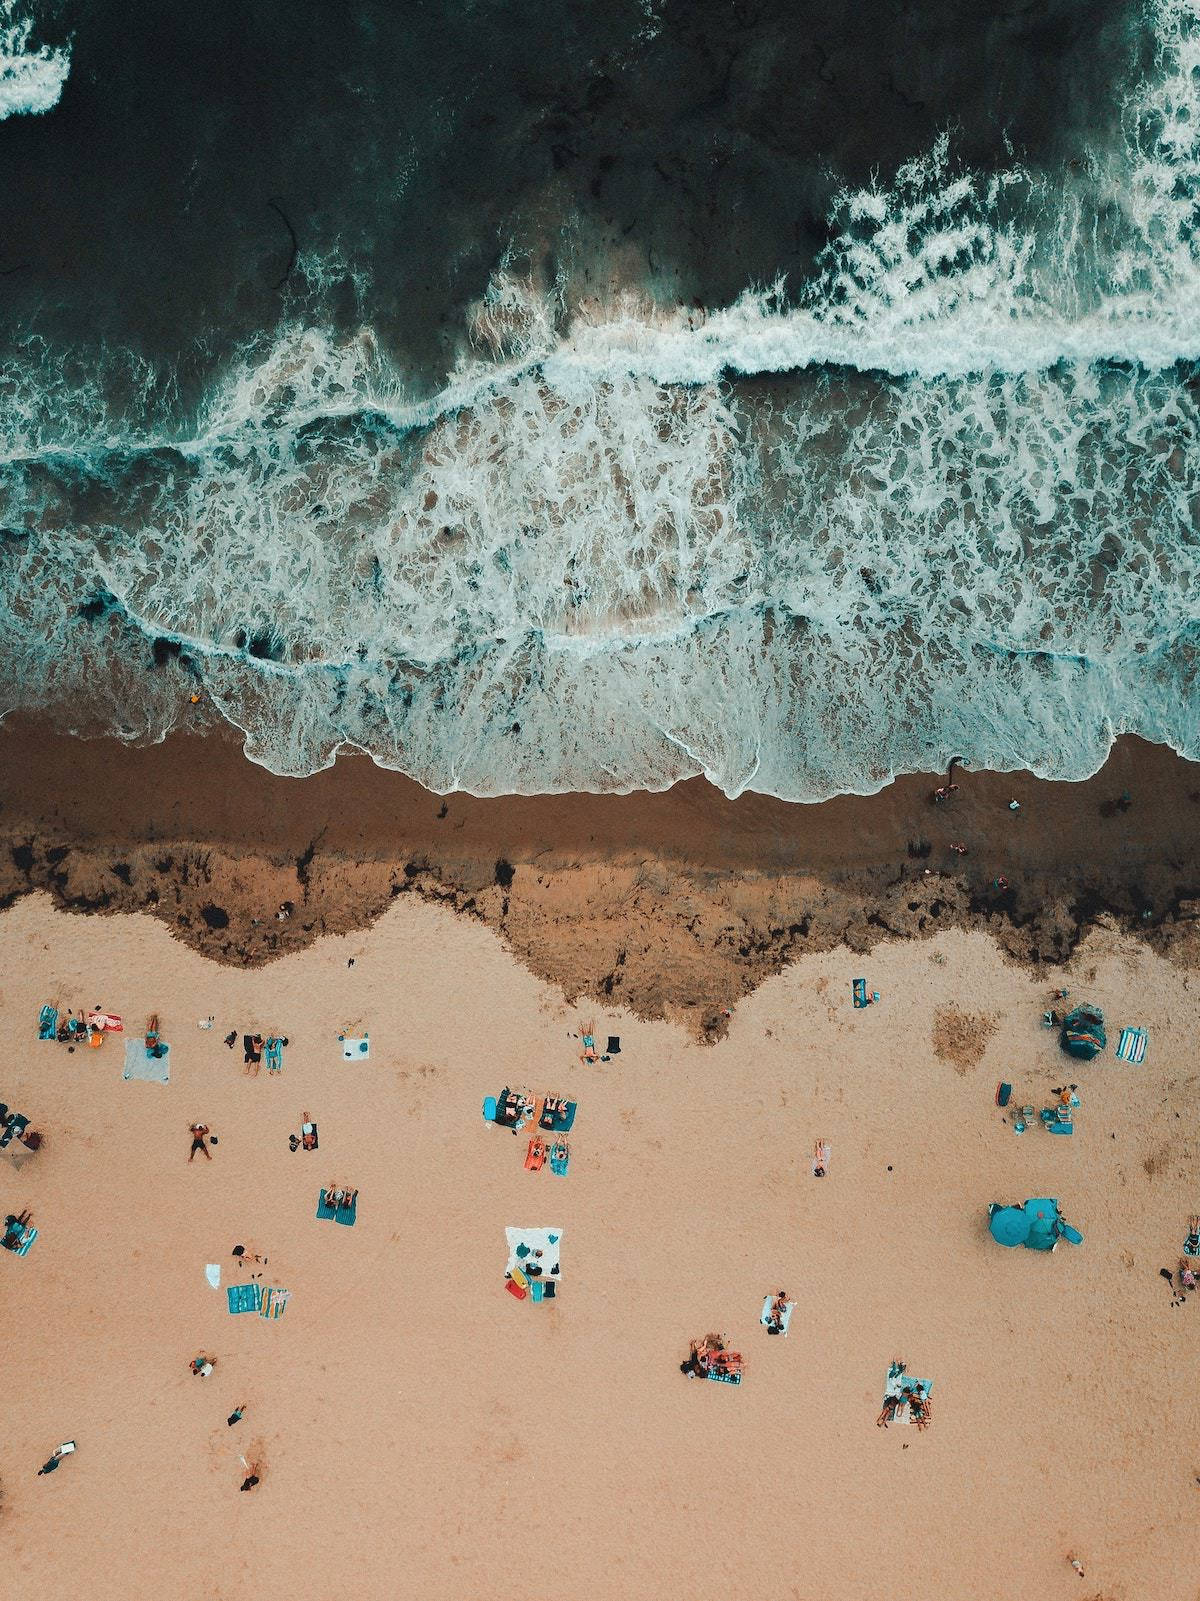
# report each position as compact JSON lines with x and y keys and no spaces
{"x":60,"y":1451}
{"x":1077,"y":1565}
{"x":198,"y":1132}
{"x":236,"y":1416}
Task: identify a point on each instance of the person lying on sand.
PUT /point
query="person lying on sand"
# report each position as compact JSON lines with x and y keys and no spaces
{"x":198,"y":1132}
{"x":778,"y":1309}
{"x":14,"y":1229}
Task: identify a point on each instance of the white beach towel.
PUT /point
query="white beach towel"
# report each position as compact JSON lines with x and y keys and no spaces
{"x":140,"y":1064}
{"x":355,"y":1050}
{"x":544,"y":1240}
{"x":765,"y":1319}
{"x":213,"y":1274}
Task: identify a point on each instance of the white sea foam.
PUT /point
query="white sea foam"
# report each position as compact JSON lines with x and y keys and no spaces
{"x":944,"y":500}
{"x":31,"y":77}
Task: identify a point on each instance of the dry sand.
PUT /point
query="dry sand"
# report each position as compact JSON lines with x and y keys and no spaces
{"x":425,"y":1436}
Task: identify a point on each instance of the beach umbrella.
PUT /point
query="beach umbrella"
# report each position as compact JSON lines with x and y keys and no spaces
{"x":1009,"y":1225}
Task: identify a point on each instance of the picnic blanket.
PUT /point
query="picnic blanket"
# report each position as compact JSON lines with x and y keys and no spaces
{"x":765,"y":1317}
{"x":355,"y":1050}
{"x":140,"y":1064}
{"x":523,"y":1246}
{"x":48,"y":1023}
{"x":244,"y":1297}
{"x":273,"y":1055}
{"x":1132,"y":1045}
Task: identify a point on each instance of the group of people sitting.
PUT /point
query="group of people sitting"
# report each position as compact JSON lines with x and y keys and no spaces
{"x":711,"y":1358}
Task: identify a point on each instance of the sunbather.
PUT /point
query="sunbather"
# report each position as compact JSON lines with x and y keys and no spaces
{"x":820,"y":1159}
{"x":202,"y":1366}
{"x":1191,"y":1246}
{"x":152,"y":1035}
{"x":588,"y":1036}
{"x":308,"y":1133}
{"x":778,"y":1310}
{"x":1187,"y":1274}
{"x":14,"y":1229}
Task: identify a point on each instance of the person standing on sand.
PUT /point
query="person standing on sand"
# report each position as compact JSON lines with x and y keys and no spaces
{"x":198,"y":1132}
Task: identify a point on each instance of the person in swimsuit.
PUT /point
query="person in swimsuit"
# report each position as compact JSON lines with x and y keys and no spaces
{"x":198,"y":1132}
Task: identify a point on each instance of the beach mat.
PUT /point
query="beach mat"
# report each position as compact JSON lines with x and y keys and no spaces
{"x":324,"y":1211}
{"x":141,"y":1065}
{"x":347,"y":1214}
{"x":273,"y":1301}
{"x":355,"y":1050}
{"x":48,"y":1023}
{"x":244,"y":1297}
{"x":765,"y":1316}
{"x":212,"y":1273}
{"x":27,"y":1240}
{"x":1132,"y":1045}
{"x":859,"y":988}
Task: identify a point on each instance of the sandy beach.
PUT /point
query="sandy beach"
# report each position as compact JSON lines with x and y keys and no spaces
{"x":423,"y":1434}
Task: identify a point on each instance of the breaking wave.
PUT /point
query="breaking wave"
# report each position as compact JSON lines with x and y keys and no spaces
{"x":943,"y":499}
{"x":31,"y":77}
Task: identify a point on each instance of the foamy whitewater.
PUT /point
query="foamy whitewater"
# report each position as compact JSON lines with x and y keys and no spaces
{"x":31,"y":77}
{"x":941,"y":499}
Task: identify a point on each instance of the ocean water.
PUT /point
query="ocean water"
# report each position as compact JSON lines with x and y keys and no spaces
{"x":543,"y":400}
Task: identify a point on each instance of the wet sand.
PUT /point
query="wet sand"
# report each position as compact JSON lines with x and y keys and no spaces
{"x":675,"y":905}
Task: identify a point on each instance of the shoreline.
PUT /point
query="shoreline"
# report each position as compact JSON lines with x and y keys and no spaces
{"x":674,"y":905}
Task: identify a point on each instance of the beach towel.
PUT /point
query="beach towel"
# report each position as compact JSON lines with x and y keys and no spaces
{"x":106,"y":1022}
{"x":489,"y":1108}
{"x":523,"y":1246}
{"x":324,"y":1211}
{"x":213,"y":1274}
{"x":1132,"y":1045}
{"x":535,"y":1156}
{"x":355,"y":1050}
{"x":557,"y":1114}
{"x":536,"y":1290}
{"x":560,"y":1157}
{"x":347,"y":1214}
{"x":859,"y":988}
{"x":273,"y":1055}
{"x":273,"y":1301}
{"x":140,"y":1064}
{"x":765,"y":1318}
{"x":48,"y":1023}
{"x":244,"y":1297}
{"x":27,"y":1240}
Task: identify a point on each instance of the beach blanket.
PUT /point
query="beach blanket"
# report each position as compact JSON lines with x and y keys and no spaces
{"x":859,"y":988}
{"x":244,"y":1297}
{"x":140,"y":1064}
{"x":765,"y":1318}
{"x":1132,"y":1045}
{"x":560,"y":1158}
{"x":27,"y":1240}
{"x":213,"y":1274}
{"x":901,"y":1386}
{"x":273,"y":1301}
{"x":324,"y":1211}
{"x":355,"y":1050}
{"x":347,"y":1214}
{"x":273,"y":1055}
{"x":48,"y":1023}
{"x":523,"y":1247}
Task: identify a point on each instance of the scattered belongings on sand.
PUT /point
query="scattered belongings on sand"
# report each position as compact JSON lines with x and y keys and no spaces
{"x":533,"y":1263}
{"x":905,"y":1399}
{"x":339,"y":1204}
{"x":202,"y":1365}
{"x":711,"y":1358}
{"x":1038,"y":1225}
{"x":1132,"y":1045}
{"x":17,"y":1137}
{"x":85,"y":1029}
{"x":355,"y":1048}
{"x":777,"y":1313}
{"x":307,"y":1138}
{"x":1083,"y":1033}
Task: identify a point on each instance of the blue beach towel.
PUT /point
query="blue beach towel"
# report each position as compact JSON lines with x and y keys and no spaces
{"x":244,"y":1297}
{"x":27,"y":1240}
{"x":139,"y":1063}
{"x":347,"y":1214}
{"x":559,"y":1162}
{"x":48,"y":1023}
{"x":859,"y":986}
{"x":273,"y":1055}
{"x":324,"y":1211}
{"x":765,"y":1316}
{"x":1132,"y":1046}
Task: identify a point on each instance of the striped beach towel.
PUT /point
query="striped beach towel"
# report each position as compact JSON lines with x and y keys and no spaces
{"x":27,"y":1240}
{"x":274,"y":1301}
{"x":1132,"y":1045}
